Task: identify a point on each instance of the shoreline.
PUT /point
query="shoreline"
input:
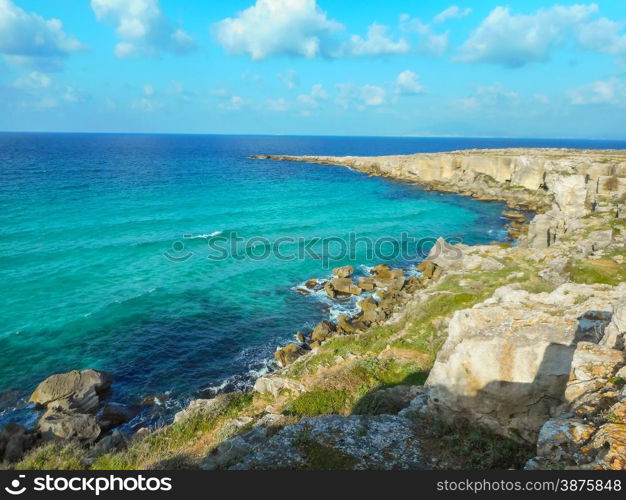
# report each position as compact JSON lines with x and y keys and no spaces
{"x":569,"y":191}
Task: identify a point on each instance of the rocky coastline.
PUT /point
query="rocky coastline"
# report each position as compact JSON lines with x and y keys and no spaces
{"x":523,"y":344}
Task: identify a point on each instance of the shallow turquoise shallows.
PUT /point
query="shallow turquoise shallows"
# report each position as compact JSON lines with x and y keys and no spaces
{"x":105,"y":245}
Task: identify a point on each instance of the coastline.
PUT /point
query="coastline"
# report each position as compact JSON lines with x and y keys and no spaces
{"x":573,"y":193}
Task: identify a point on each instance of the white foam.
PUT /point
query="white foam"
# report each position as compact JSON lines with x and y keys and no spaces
{"x":204,"y":236}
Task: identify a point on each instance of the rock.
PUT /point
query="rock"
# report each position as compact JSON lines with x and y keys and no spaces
{"x":300,"y":337}
{"x":344,"y":326}
{"x":114,"y":415}
{"x":64,"y":424}
{"x":514,"y":215}
{"x":322,"y":331}
{"x":78,"y":391}
{"x":343,"y":271}
{"x":427,"y":268}
{"x":273,"y":385}
{"x":570,"y":192}
{"x":610,"y":442}
{"x":562,"y":441}
{"x":356,"y":442}
{"x":313,"y":284}
{"x":616,"y":330}
{"x":288,"y":354}
{"x":387,"y":401}
{"x":116,"y":441}
{"x":341,"y":286}
{"x":15,"y":441}
{"x":366,"y":283}
{"x":370,"y":312}
{"x":380,"y":269}
{"x":412,"y":284}
{"x":600,"y":239}
{"x":595,"y":361}
{"x":506,"y":362}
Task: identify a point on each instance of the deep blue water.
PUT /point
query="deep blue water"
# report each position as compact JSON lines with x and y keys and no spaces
{"x":87,"y":223}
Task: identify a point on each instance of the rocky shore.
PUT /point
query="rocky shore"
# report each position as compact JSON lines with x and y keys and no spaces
{"x":489,"y":356}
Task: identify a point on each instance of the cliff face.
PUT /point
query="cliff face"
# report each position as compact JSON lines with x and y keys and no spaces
{"x":574,"y":180}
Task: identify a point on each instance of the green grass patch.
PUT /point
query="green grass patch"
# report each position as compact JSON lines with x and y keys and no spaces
{"x":465,"y":446}
{"x":600,"y":271}
{"x":163,"y":448}
{"x":320,"y":457}
{"x":55,"y":456}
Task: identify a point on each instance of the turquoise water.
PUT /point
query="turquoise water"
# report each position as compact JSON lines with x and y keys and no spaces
{"x":87,"y":220}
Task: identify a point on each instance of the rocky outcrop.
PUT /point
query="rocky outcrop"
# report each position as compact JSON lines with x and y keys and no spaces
{"x":568,"y":183}
{"x":78,"y":391}
{"x":356,"y":442}
{"x":506,"y":362}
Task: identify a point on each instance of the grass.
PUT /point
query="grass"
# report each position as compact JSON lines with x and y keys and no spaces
{"x":55,"y":456}
{"x":342,"y":391}
{"x":167,"y":446}
{"x":465,"y":446}
{"x":599,"y":271}
{"x":320,"y":457}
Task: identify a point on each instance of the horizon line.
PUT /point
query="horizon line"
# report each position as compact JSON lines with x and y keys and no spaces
{"x":67,"y":132}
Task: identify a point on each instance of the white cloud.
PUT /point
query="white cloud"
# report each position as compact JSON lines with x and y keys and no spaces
{"x":488,"y":96}
{"x":147,"y":102}
{"x":142,"y":28}
{"x":428,"y":42}
{"x":611,"y":91}
{"x":27,"y":39}
{"x":360,"y":97}
{"x":277,"y":104}
{"x":377,"y":42}
{"x":408,"y":83}
{"x":452,"y":12}
{"x":36,"y":90}
{"x":235,"y":103}
{"x":33,"y":80}
{"x":278,"y":27}
{"x":300,"y":28}
{"x":290,"y":78}
{"x":602,"y":35}
{"x":318,"y":93}
{"x":517,"y":39}
{"x":373,"y":95}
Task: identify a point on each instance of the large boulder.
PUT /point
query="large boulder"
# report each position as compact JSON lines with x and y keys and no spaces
{"x":78,"y":391}
{"x":114,"y":415}
{"x":288,"y":354}
{"x":506,"y":362}
{"x":341,"y":286}
{"x":63,"y":424}
{"x":322,"y":331}
{"x":15,"y":440}
{"x":273,"y":385}
{"x":343,"y":271}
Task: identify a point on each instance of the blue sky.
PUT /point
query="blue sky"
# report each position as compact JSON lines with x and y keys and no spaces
{"x":405,"y":68}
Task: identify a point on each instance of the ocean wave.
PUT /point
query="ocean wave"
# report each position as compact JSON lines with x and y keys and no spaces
{"x":204,"y":236}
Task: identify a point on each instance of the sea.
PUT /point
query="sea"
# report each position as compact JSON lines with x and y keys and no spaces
{"x":176,"y":262}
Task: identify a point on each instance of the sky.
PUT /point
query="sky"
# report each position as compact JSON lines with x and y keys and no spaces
{"x":523,"y":68}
